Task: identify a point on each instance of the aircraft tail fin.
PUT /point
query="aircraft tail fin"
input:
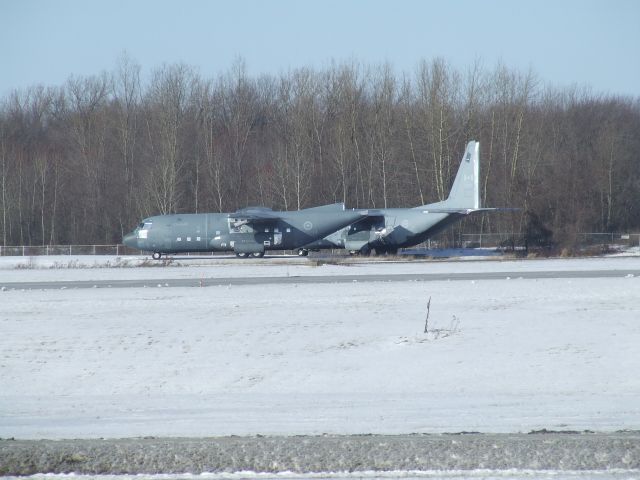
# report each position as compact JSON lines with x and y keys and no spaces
{"x":465,"y":191}
{"x":464,"y":197}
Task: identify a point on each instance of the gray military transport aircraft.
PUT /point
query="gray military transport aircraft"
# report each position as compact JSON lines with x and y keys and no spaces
{"x":246,"y":232}
{"x":384,"y":231}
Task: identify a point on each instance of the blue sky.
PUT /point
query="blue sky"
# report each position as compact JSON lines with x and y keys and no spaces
{"x":593,"y":43}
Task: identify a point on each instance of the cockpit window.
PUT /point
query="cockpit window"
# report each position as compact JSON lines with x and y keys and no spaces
{"x":145,"y":225}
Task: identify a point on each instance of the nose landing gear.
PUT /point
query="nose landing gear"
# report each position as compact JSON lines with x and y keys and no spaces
{"x":156,"y":255}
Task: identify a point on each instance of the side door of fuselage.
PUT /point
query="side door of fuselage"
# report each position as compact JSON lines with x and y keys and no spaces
{"x":199,"y":233}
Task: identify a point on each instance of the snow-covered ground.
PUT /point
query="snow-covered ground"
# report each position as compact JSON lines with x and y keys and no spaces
{"x":508,"y":355}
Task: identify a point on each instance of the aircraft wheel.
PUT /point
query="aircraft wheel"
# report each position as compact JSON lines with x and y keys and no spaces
{"x":241,"y":255}
{"x":365,"y":251}
{"x":156,"y":255}
{"x":257,"y":254}
{"x":303,"y":252}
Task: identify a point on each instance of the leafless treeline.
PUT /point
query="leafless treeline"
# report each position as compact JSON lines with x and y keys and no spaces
{"x":82,"y":163}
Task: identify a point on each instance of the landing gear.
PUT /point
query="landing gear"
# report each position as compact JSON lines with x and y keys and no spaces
{"x":156,"y":255}
{"x":303,"y":252}
{"x":366,"y":250}
{"x":250,"y":255}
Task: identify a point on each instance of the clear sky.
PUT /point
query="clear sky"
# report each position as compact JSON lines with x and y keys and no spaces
{"x":592,"y":43}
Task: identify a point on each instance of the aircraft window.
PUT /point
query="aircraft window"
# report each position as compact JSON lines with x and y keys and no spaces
{"x":141,"y":226}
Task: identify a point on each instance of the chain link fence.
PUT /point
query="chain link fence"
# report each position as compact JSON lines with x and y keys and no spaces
{"x":115,"y":250}
{"x":516,"y":240}
{"x":37,"y":250}
{"x":494,"y":240}
{"x":626,"y":239}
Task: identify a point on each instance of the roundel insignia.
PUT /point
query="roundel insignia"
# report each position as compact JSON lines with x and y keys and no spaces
{"x":308,"y":225}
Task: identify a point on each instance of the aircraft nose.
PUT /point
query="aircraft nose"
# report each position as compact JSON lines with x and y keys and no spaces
{"x":130,"y":240}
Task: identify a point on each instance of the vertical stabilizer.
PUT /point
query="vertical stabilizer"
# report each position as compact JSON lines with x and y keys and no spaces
{"x":465,"y":192}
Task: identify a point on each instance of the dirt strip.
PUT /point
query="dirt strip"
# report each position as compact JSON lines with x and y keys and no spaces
{"x":546,"y":451}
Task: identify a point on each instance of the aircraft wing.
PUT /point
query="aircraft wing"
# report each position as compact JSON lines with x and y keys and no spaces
{"x":255,"y":215}
{"x":467,"y":211}
{"x":372,"y":213}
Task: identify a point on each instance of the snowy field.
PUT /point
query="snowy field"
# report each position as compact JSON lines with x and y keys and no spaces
{"x":500,"y":355}
{"x":509,"y":355}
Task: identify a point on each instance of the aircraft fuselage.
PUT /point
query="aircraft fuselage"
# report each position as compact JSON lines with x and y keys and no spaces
{"x":246,"y":232}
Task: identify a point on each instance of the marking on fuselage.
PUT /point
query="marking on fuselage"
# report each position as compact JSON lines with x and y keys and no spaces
{"x":308,"y":225}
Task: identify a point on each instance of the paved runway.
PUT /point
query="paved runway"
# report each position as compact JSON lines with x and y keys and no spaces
{"x":283,"y":280}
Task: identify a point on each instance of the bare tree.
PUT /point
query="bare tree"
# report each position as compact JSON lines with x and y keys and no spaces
{"x":239,"y":114}
{"x":167,"y":99}
{"x":3,"y":173}
{"x":126,"y":120}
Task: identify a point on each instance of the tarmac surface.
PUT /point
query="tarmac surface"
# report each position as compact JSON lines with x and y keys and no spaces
{"x":401,"y":277}
{"x":544,"y":451}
